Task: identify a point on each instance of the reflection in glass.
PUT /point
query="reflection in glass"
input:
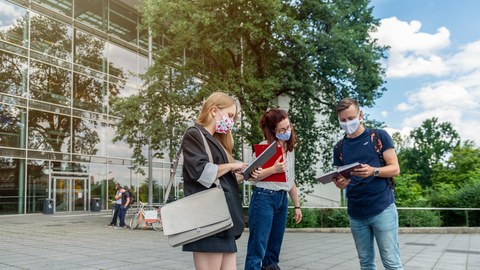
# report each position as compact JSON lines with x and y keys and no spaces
{"x":117,"y":149}
{"x":90,"y":51}
{"x":89,"y":137}
{"x":60,"y":189}
{"x":89,"y":93}
{"x":12,"y":126}
{"x":13,"y":24}
{"x":48,"y":131}
{"x":123,"y":22}
{"x":92,"y":13}
{"x":13,"y":74}
{"x":37,"y":185}
{"x":50,"y":83}
{"x":123,"y":61}
{"x":79,"y":186}
{"x":60,"y":6}
{"x":11,"y":182}
{"x":50,"y":37}
{"x":100,"y":186}
{"x":127,"y":89}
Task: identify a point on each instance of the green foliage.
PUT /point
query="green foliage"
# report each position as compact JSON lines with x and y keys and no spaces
{"x":432,"y":142}
{"x":408,"y":193}
{"x":309,"y":219}
{"x":461,"y":167}
{"x":334,"y":218}
{"x":419,"y":218}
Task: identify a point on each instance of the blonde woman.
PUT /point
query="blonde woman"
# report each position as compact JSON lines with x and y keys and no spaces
{"x":215,"y":121}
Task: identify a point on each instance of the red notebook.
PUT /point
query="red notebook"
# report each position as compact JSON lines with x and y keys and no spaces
{"x":278,"y":177}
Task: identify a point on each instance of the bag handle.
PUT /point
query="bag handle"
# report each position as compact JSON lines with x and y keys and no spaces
{"x":176,"y":159}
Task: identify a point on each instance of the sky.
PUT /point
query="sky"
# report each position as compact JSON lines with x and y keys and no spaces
{"x":432,"y":66}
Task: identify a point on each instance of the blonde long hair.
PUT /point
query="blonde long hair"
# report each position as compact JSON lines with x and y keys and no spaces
{"x":221,"y":101}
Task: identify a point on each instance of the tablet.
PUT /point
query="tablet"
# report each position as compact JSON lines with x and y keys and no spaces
{"x":260,"y":160}
{"x":276,"y":177}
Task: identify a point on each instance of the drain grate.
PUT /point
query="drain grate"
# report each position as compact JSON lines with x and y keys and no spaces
{"x":463,"y":251}
{"x":420,"y":244}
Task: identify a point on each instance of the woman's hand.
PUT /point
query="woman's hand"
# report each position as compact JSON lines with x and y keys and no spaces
{"x":238,"y":167}
{"x":298,"y":215}
{"x":340,"y":181}
{"x":279,"y":167}
{"x":253,"y":175}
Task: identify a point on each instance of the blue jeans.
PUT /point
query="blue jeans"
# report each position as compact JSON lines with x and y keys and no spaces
{"x":121,"y":214}
{"x":267,"y":218}
{"x":384,"y":227}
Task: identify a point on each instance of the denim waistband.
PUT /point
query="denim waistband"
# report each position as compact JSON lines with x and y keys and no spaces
{"x":269,"y":190}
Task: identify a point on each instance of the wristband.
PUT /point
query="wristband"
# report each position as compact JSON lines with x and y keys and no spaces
{"x":297,"y":207}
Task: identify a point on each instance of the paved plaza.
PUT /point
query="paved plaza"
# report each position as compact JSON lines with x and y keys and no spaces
{"x":81,"y":241}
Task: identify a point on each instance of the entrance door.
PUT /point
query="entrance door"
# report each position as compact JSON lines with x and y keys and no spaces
{"x":69,"y":194}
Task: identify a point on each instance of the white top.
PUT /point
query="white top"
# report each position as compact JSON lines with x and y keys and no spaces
{"x":119,"y":201}
{"x":290,"y":173}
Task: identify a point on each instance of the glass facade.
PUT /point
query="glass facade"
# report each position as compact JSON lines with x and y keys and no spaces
{"x":61,"y":63}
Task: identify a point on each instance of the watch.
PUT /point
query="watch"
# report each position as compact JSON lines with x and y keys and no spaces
{"x":376,"y":172}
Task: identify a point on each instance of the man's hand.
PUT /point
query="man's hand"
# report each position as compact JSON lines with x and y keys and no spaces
{"x":340,"y":181}
{"x":364,"y":171}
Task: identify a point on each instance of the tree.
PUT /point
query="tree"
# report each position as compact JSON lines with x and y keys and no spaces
{"x":461,"y":167}
{"x":314,"y":52}
{"x":432,"y":142}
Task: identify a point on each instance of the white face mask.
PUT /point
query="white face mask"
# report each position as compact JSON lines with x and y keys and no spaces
{"x":352,"y":125}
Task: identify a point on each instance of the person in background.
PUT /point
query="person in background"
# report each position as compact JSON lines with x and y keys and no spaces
{"x":118,"y":202}
{"x":268,"y":210}
{"x":370,"y":197}
{"x":125,"y":195}
{"x":215,"y":121}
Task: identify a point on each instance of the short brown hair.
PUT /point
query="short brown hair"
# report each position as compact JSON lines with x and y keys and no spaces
{"x":345,"y":104}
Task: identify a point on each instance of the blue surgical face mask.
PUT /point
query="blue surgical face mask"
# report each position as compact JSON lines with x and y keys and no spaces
{"x":285,"y":136}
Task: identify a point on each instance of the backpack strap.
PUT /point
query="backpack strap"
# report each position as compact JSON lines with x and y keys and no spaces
{"x":377,"y":144}
{"x":338,"y":149}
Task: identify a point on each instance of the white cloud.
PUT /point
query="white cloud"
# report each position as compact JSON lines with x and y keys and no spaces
{"x":467,"y":59}
{"x":445,"y":95}
{"x":412,"y":53}
{"x":406,"y":37}
{"x":452,"y":116}
{"x":404,"y":107}
{"x":384,"y":113}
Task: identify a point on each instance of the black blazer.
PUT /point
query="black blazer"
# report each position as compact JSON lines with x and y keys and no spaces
{"x":194,"y":160}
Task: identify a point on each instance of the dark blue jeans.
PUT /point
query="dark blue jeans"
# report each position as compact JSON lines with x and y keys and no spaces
{"x":267,"y":218}
{"x":115,"y":215}
{"x":121,"y":214}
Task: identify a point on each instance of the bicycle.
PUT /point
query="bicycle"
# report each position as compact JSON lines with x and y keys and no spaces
{"x":150,"y":218}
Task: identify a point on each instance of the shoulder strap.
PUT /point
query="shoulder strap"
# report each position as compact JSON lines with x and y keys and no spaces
{"x":176,"y":159}
{"x":338,"y":148}
{"x":377,"y":144}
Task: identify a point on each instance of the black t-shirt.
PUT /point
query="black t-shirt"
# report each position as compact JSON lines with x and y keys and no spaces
{"x":125,"y":195}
